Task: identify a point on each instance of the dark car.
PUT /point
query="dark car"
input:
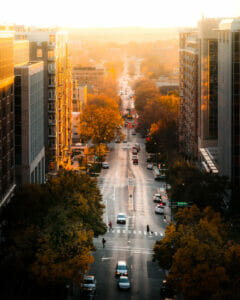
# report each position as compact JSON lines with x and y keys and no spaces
{"x":166,"y":290}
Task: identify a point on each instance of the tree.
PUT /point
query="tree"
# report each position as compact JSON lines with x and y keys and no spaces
{"x":191,"y":185}
{"x":47,"y":230}
{"x":99,"y":123}
{"x":197,"y":254}
{"x":145,"y":90}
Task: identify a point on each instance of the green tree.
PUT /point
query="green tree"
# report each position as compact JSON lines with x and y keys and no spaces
{"x":191,"y":185}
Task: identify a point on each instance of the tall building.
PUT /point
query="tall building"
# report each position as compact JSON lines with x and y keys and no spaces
{"x":7,"y":183}
{"x":229,"y":99}
{"x":92,"y":77}
{"x":188,"y":96}
{"x":198,"y":126}
{"x":208,"y":83}
{"x":29,"y":123}
{"x":51,"y":47}
{"x":21,"y":52}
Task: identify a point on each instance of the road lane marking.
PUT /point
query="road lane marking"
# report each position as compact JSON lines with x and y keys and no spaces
{"x":134,"y":231}
{"x":145,"y":233}
{"x":118,"y":231}
{"x":155,"y":233}
{"x":124,"y":231}
{"x":129,"y":231}
{"x":140,"y":232}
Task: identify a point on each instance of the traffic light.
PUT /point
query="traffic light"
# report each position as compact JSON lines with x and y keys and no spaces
{"x":148,"y":139}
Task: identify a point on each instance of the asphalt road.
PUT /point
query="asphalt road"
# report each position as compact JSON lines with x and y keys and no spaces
{"x":129,"y":188}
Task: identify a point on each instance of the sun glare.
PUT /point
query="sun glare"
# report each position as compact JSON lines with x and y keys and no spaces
{"x":109,"y":13}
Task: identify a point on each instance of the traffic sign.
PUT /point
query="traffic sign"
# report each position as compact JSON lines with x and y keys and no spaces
{"x":182,"y":203}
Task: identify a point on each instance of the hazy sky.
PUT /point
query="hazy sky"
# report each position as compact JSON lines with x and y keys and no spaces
{"x":114,"y":13}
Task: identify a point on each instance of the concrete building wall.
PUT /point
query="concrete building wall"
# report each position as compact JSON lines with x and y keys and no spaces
{"x":21,"y":52}
{"x":51,"y":46}
{"x":30,"y":151}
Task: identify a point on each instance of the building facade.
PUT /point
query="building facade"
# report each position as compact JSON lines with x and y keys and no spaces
{"x":188,"y":93}
{"x":208,"y":83}
{"x":29,"y":123}
{"x":51,"y":47}
{"x":92,"y":77}
{"x":229,"y":99}
{"x":21,"y":52}
{"x":7,"y":182}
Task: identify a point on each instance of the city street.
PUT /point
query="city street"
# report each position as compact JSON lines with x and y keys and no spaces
{"x":129,"y":189}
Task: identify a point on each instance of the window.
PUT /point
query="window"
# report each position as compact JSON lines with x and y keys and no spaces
{"x":39,"y":53}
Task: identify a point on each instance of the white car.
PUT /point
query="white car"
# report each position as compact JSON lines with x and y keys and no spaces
{"x":159,"y":209}
{"x":105,"y":165}
{"x":149,"y":166}
{"x":124,"y":283}
{"x":121,"y":218}
{"x":89,"y":283}
{"x":121,"y":268}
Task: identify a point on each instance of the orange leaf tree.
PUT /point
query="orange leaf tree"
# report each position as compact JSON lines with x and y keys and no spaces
{"x":197,"y":254}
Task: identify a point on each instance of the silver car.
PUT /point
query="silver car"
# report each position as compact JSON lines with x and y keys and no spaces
{"x":89,"y":283}
{"x":124,"y":283}
{"x":121,"y":218}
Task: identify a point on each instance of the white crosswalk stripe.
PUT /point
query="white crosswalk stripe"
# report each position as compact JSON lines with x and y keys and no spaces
{"x":136,"y":232}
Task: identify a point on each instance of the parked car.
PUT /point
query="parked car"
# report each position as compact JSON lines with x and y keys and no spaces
{"x":157,"y":198}
{"x":135,"y":161}
{"x":89,"y":283}
{"x":121,"y":268}
{"x":125,"y":141}
{"x":159,"y":209}
{"x":121,"y":218}
{"x":149,"y":166}
{"x":134,"y":151}
{"x":166,"y":290}
{"x":134,"y":132}
{"x":124,"y":283}
{"x":105,"y":165}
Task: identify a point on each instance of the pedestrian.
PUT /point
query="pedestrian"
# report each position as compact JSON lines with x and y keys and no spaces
{"x":110,"y":225}
{"x":148,"y":228}
{"x":103,"y":242}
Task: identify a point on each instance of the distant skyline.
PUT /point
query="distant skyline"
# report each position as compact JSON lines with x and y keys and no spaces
{"x":112,"y":13}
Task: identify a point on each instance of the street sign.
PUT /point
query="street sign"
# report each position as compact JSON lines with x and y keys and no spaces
{"x":182,"y":203}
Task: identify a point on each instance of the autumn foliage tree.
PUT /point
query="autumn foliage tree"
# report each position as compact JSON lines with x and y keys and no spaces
{"x":47,"y":230}
{"x":100,"y":119}
{"x":199,"y":256}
